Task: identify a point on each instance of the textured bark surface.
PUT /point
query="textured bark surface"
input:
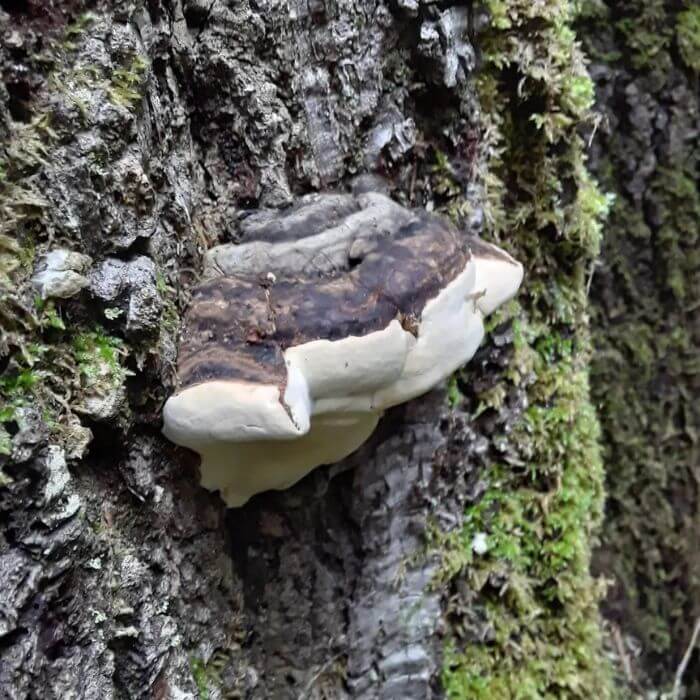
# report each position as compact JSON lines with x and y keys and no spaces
{"x":134,"y":134}
{"x":352,"y":613}
{"x":646,"y":303}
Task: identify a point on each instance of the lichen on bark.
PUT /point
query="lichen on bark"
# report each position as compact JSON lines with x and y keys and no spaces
{"x":103,"y":530}
{"x":149,"y":127}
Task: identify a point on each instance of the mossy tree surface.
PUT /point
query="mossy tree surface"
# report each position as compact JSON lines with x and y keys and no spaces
{"x":52,"y":360}
{"x":527,"y":623}
{"x":137,"y":134}
{"x":646,"y":299}
{"x":79,"y":388}
{"x":141,"y":136}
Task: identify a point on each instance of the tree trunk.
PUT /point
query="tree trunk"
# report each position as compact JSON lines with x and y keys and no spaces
{"x":448,"y":556}
{"x":645,"y":62}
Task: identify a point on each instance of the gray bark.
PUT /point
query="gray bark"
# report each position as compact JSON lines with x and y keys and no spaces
{"x":120,"y":576}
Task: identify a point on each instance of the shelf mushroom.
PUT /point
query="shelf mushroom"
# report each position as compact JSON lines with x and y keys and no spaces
{"x":322,"y":317}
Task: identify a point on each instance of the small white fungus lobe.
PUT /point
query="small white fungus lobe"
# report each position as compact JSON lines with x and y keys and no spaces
{"x":480,"y":544}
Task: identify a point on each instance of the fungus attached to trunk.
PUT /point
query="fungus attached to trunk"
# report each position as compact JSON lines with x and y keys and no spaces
{"x":324,"y":316}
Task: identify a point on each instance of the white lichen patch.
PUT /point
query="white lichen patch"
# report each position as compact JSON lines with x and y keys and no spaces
{"x":61,"y":274}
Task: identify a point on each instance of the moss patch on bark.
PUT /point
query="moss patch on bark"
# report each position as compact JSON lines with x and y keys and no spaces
{"x":646,"y":325}
{"x":54,"y":357}
{"x":525,"y":547}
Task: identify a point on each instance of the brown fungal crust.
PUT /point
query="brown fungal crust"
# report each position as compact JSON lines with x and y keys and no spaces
{"x":237,"y":328}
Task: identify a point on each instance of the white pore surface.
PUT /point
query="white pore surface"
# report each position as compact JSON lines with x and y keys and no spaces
{"x":252,"y":441}
{"x":221,"y":411}
{"x":239,"y":470}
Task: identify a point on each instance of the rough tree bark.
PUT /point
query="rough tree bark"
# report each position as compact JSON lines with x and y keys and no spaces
{"x":163,"y":122}
{"x":133,"y":133}
{"x":645,"y":59}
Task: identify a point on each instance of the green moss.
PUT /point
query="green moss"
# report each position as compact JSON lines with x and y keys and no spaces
{"x":688,"y":36}
{"x":76,"y":29}
{"x":127,"y":84}
{"x":200,"y":676}
{"x":539,"y":523}
{"x":52,"y":361}
{"x":54,"y":372}
{"x":23,"y":380}
{"x":531,"y":587}
{"x":644,"y":373}
{"x":22,"y":206}
{"x":646,"y":34}
{"x":644,"y":377}
{"x":679,"y":211}
{"x":453,"y":394}
{"x":51,"y":317}
{"x":97,"y":357}
{"x":208,"y":675}
{"x":19,"y":384}
{"x":94,"y":349}
{"x":124,"y":86}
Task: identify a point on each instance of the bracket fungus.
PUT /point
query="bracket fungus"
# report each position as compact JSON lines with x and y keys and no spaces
{"x":322,"y":317}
